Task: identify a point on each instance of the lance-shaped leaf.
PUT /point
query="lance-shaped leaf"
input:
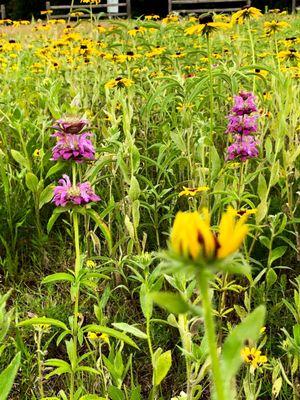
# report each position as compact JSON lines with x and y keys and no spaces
{"x":110,"y":332}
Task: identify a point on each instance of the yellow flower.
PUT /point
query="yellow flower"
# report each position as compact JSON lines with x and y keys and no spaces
{"x":291,"y":54}
{"x":90,"y":264}
{"x":46,"y":12}
{"x":245,"y":13}
{"x":152,"y":17}
{"x":232,"y":233}
{"x":92,"y":336}
{"x":206,"y":29}
{"x":37,"y":153}
{"x":119,"y":82}
{"x":274,"y":26}
{"x":97,"y":336}
{"x":136,"y":30}
{"x":253,"y":357}
{"x":191,"y":235}
{"x":193,"y":191}
{"x":90,"y":1}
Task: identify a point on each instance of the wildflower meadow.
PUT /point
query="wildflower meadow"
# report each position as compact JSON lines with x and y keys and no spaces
{"x":149,"y":242}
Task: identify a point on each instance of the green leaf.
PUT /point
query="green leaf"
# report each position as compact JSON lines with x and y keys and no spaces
{"x":91,"y":397}
{"x":46,"y":195}
{"x":134,"y":190}
{"x":172,"y":302}
{"x":277,"y":253}
{"x":101,"y":225}
{"x":32,"y":182}
{"x":271,"y":278}
{"x":56,"y":213}
{"x":115,"y":393}
{"x":17,"y":156}
{"x":261,"y":212}
{"x":262,"y":188}
{"x":162,"y":365}
{"x":146,"y":301}
{"x":43,"y":321}
{"x":56,"y":168}
{"x":130,"y":329}
{"x":7,"y":377}
{"x":248,"y":329}
{"x":110,"y":332}
{"x":59,"y":276}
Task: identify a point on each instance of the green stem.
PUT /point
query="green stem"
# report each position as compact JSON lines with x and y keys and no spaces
{"x":211,"y":89}
{"x":252,"y":49}
{"x":71,"y":9}
{"x":211,"y":335}
{"x":40,"y":364}
{"x":148,"y":332}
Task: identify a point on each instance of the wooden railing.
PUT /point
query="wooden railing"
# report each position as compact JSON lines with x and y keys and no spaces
{"x":114,"y":9}
{"x":202,"y":6}
{"x":2,"y":11}
{"x":295,"y":5}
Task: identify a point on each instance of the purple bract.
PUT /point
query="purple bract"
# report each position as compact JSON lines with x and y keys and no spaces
{"x":72,"y":125}
{"x":244,"y":103}
{"x":244,"y":147}
{"x":242,"y":124}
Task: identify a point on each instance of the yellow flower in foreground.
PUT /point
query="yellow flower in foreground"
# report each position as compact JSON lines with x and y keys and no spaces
{"x":192,"y":191}
{"x":253,"y":357}
{"x":192,"y":237}
{"x":246,"y":13}
{"x":274,"y":26}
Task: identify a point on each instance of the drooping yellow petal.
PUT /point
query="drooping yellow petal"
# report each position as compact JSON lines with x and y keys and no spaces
{"x":191,"y":235}
{"x":231,"y":233}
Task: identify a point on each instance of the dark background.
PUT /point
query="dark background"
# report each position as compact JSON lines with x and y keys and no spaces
{"x":26,"y":9}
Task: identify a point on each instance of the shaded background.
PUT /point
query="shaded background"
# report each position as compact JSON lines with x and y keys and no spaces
{"x":26,"y":9}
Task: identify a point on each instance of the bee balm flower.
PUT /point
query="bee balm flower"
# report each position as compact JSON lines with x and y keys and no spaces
{"x":73,"y":147}
{"x":66,"y":193}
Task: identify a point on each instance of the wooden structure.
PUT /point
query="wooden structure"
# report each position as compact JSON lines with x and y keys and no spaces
{"x":295,"y":5}
{"x":2,"y":11}
{"x":114,"y":8}
{"x":203,"y":6}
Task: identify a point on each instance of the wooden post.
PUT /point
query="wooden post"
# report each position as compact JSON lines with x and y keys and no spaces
{"x":169,"y":6}
{"x":128,"y":8}
{"x":48,"y":6}
{"x":3,"y":12}
{"x":293,"y":6}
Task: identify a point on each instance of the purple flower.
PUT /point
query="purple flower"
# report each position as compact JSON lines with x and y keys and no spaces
{"x":72,"y":125}
{"x":73,"y":147}
{"x":244,"y":103}
{"x":242,"y":124}
{"x":244,"y":147}
{"x":66,"y":193}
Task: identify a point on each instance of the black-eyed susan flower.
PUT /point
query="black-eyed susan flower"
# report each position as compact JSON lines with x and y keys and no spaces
{"x":192,"y":237}
{"x":253,"y":357}
{"x":206,"y":28}
{"x":191,"y":192}
{"x":291,"y":54}
{"x":245,"y":13}
{"x":119,"y":83}
{"x":272,"y":27}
